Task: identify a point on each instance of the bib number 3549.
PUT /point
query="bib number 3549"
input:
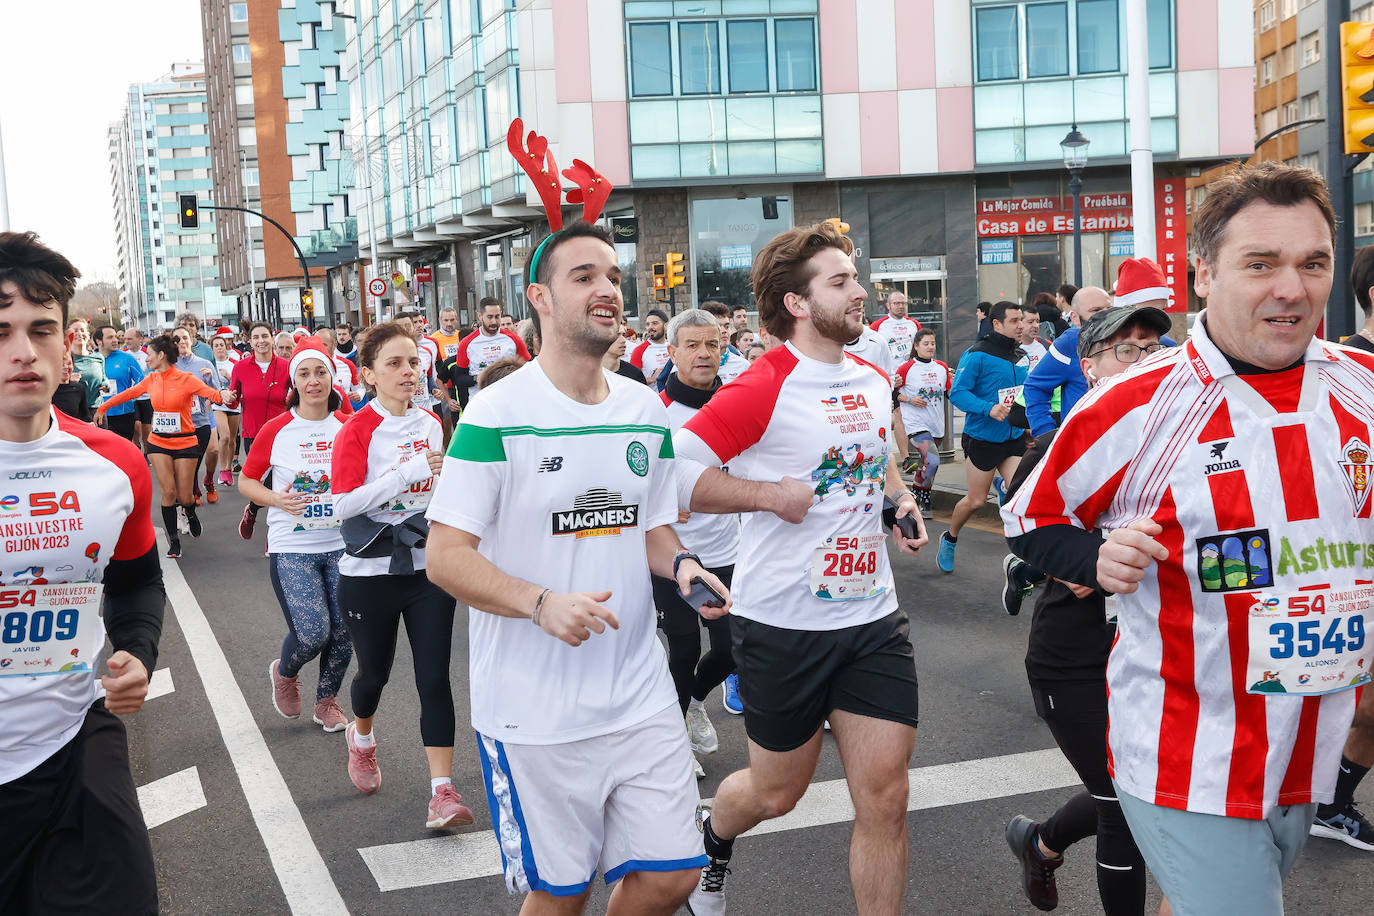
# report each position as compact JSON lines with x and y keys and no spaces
{"x":1310,"y":642}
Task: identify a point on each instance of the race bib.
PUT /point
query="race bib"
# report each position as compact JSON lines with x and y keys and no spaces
{"x":1007,"y":396}
{"x":166,"y":422}
{"x":846,"y":568}
{"x":318,"y":514}
{"x":1309,"y":642}
{"x":422,"y":401}
{"x":49,"y":629}
{"x":450,"y":350}
{"x":415,"y":497}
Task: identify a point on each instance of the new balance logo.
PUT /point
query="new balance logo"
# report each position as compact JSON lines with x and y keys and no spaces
{"x":551,"y":464}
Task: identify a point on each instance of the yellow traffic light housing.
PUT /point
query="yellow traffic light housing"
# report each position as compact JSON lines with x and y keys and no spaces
{"x":1357,"y":82}
{"x":660,"y":283}
{"x":188,"y":211}
{"x":674,"y":265}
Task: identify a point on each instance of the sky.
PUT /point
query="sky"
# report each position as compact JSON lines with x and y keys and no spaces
{"x":65,"y":69}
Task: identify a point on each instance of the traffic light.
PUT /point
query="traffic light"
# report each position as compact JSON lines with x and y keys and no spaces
{"x":308,"y":308}
{"x":674,"y":265}
{"x":840,"y":225}
{"x":660,"y":283}
{"x":1357,"y":85}
{"x":188,"y":211}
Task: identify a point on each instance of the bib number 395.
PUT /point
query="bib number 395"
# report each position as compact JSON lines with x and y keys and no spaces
{"x":1310,"y":642}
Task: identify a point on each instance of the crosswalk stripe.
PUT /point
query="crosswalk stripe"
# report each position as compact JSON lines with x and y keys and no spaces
{"x":160,"y":684}
{"x":465,"y":856}
{"x":171,"y":796}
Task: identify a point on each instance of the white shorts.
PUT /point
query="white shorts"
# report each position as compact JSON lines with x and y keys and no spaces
{"x":616,"y":803}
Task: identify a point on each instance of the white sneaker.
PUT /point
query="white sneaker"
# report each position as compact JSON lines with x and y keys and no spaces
{"x":183,"y":526}
{"x":700,"y":730}
{"x":696,"y":764}
{"x":708,"y":899}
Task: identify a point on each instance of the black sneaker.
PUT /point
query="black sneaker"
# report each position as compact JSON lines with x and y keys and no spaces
{"x":1037,"y":872}
{"x":193,"y":524}
{"x":173,"y":548}
{"x":923,"y":503}
{"x":1347,"y":825}
{"x":1013,"y":592}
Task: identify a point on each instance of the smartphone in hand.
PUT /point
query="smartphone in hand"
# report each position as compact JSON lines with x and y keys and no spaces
{"x":703,"y":595}
{"x":906,"y":524}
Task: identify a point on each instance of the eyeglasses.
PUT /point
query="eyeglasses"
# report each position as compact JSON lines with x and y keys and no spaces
{"x":1129,"y":353}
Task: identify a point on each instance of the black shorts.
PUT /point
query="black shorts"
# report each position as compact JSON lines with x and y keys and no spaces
{"x":986,"y":456}
{"x":143,"y":411}
{"x":675,"y":616}
{"x":791,"y":680}
{"x":74,"y":840}
{"x":192,"y":452}
{"x":121,"y":424}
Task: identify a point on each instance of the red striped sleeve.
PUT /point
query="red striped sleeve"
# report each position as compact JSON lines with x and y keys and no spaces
{"x":1179,"y":714}
{"x":460,"y":359}
{"x":348,"y":465}
{"x":902,"y":371}
{"x":737,"y":416}
{"x":136,"y":537}
{"x":637,"y":355}
{"x":949,"y":376}
{"x":875,"y":324}
{"x":863,"y":362}
{"x":520,"y":349}
{"x":260,"y":455}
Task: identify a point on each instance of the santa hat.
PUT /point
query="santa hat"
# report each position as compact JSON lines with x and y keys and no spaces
{"x":224,"y":332}
{"x":301,"y":332}
{"x":311,"y":348}
{"x":1139,"y":280}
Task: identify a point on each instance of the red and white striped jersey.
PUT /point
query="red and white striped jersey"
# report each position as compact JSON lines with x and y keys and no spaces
{"x":478,"y":350}
{"x":1261,"y":484}
{"x":930,"y":381}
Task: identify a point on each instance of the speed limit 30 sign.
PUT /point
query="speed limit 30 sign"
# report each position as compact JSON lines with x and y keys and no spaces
{"x":377,"y":287}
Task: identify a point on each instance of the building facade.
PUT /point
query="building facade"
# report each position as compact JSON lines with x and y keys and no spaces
{"x":158,"y":149}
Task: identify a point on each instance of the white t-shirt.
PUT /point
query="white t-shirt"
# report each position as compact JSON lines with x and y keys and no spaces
{"x":931,"y":381}
{"x":225,"y":367}
{"x":429,"y":355}
{"x":826,"y":423}
{"x":562,"y":494}
{"x":732,"y":366}
{"x":1035,"y":351}
{"x":713,"y":538}
{"x":872,"y":347}
{"x":649,"y":357}
{"x":299,"y":453}
{"x":899,"y":333}
{"x":477,"y":351}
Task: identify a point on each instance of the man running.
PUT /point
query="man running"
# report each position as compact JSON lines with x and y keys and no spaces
{"x":555,"y":504}
{"x":1061,"y":370}
{"x":898,"y":330}
{"x":484,"y":346}
{"x":121,"y":371}
{"x":817,"y":630}
{"x":74,"y":839}
{"x":1227,"y":475}
{"x":651,"y":355}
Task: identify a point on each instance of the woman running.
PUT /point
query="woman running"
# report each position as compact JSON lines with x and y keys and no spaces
{"x":303,"y":540}
{"x":226,"y":357}
{"x":172,"y":447}
{"x":262,"y":383}
{"x":201,"y":414}
{"x":385,"y":462}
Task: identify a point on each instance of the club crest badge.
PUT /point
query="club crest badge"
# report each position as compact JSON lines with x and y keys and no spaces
{"x":1358,"y":469}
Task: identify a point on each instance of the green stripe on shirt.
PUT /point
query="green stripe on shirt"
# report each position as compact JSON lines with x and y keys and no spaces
{"x":484,"y":443}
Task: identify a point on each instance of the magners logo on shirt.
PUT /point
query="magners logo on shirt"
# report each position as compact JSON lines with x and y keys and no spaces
{"x":596,"y":513}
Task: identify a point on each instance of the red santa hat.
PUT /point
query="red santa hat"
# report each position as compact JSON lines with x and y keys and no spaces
{"x":311,"y":348}
{"x":225,"y":332}
{"x":301,"y":332}
{"x":1139,"y":280}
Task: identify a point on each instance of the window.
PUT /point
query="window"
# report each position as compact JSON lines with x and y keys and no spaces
{"x":699,"y":58}
{"x":1047,"y":40}
{"x":1364,"y":219}
{"x":1311,"y":48}
{"x":1312,"y":105}
{"x":1268,"y":122}
{"x":1288,"y":8}
{"x":794,"y":42}
{"x":1160,"y":14}
{"x":243,"y":95}
{"x":242,"y":54}
{"x":998,"y":44}
{"x":1288,"y":60}
{"x":1311,"y":161}
{"x":181,"y":131}
{"x":238,"y":12}
{"x":650,"y":59}
{"x":1098,"y":39}
{"x":1290,"y":112}
{"x":1266,"y":15}
{"x":747,"y":44}
{"x":1267,"y":70}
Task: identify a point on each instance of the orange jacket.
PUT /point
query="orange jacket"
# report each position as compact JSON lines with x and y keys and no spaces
{"x":172,"y":393}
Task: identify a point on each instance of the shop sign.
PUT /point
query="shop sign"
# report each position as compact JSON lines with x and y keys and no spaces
{"x":1121,"y":245}
{"x":997,"y":251}
{"x":1054,"y":223}
{"x":424,"y":275}
{"x":1171,"y":240}
{"x":625,"y":231}
{"x":1012,"y":206}
{"x":519,"y":254}
{"x":736,"y":257}
{"x":883,"y":267}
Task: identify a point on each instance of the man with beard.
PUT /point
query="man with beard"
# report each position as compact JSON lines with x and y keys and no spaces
{"x":806,"y":435}
{"x":651,"y":356}
{"x":484,"y":346}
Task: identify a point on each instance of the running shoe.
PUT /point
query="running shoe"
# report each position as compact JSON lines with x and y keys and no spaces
{"x":708,"y":899}
{"x":286,"y":692}
{"x":945,"y":558}
{"x":731,"y":700}
{"x":1013,"y":592}
{"x":329,"y":716}
{"x":193,"y":527}
{"x":211,"y":496}
{"x":173,"y":548}
{"x":183,"y":526}
{"x":1000,"y":486}
{"x":1347,"y":825}
{"x":446,"y":809}
{"x":237,"y":467}
{"x":700,"y":730}
{"x":923,"y":503}
{"x":362,"y":763}
{"x":197,"y":497}
{"x":697,"y":768}
{"x":206,"y":481}
{"x":246,"y":523}
{"x":226,"y":479}
{"x":1037,"y":872}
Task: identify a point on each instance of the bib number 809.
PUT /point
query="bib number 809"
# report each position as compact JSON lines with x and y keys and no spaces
{"x":40,"y":626}
{"x":1307,"y":640}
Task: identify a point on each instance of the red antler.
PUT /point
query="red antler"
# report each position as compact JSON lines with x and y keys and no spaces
{"x":537,"y":161}
{"x":592,"y":189}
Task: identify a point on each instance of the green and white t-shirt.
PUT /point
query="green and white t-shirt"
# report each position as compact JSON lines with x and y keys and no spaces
{"x":561,"y":495}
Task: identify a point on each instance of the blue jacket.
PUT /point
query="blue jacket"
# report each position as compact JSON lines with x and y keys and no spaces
{"x":986,"y":368}
{"x":1059,"y":368}
{"x":201,"y":414}
{"x":122,"y":369}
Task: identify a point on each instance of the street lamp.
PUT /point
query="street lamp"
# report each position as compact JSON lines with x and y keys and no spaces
{"x":1075,"y":147}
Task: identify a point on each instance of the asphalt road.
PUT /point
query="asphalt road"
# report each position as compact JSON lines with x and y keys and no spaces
{"x":281,"y":813}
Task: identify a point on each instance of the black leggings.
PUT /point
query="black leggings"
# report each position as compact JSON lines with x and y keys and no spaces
{"x":373,"y":607}
{"x":694,"y":675}
{"x":1077,"y":718}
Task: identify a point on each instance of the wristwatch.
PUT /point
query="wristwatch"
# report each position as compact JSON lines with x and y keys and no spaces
{"x":684,"y":555}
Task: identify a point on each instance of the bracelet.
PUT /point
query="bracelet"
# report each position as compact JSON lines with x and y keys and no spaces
{"x":684,"y":555}
{"x":539,"y":605}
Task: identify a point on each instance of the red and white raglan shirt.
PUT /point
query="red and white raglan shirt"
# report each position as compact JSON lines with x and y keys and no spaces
{"x":899,"y":333}
{"x":649,"y":356}
{"x":929,"y":380}
{"x":479,"y":350}
{"x":429,"y":362}
{"x":299,"y":454}
{"x":1229,"y":679}
{"x":713,"y":538}
{"x":380,"y":469}
{"x":77,"y":539}
{"x":346,"y":378}
{"x":827,"y":423}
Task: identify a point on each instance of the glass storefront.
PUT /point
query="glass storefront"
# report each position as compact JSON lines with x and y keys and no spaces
{"x":1018,"y":269}
{"x":726,"y":233}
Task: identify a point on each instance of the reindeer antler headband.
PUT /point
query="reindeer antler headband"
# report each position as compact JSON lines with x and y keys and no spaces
{"x":536,"y":159}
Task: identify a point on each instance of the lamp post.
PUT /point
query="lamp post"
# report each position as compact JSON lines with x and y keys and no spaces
{"x":1075,"y":147}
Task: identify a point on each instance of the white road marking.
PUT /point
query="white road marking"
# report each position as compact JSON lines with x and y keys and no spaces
{"x":461,"y":857}
{"x":170,"y":797}
{"x":304,"y":878}
{"x":160,"y":684}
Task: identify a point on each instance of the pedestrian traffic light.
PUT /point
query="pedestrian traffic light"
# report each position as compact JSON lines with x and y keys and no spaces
{"x":674,"y":265}
{"x":660,"y":283}
{"x":1357,"y":85}
{"x":188,"y":211}
{"x":840,"y":225}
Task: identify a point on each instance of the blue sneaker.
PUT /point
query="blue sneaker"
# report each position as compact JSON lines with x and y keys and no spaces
{"x":945,"y":558}
{"x":732,"y":704}
{"x":1000,"y":486}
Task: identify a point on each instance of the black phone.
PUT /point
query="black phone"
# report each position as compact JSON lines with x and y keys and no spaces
{"x":906,"y":524}
{"x":703,"y":595}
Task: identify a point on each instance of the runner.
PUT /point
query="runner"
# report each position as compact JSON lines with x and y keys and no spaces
{"x":826,"y":641}
{"x":922,"y":384}
{"x":88,"y":367}
{"x":555,"y":505}
{"x":344,"y":345}
{"x":229,"y":418}
{"x":201,"y":414}
{"x":192,"y":324}
{"x":143,"y":407}
{"x":384,"y":469}
{"x":121,"y":372}
{"x":1066,"y":662}
{"x":450,"y":333}
{"x":303,"y":540}
{"x":173,"y":448}
{"x":283,"y":345}
{"x":898,"y":330}
{"x":732,"y":361}
{"x":614,"y":360}
{"x":482,"y":347}
{"x":1228,"y":700}
{"x":1061,"y":372}
{"x":262,"y":384}
{"x":74,"y":838}
{"x":651,"y":355}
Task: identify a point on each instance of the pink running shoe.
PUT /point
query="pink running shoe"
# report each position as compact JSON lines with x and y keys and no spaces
{"x":286,"y":692}
{"x":329,"y":716}
{"x":446,"y":809}
{"x":362,"y":764}
{"x":226,"y":478}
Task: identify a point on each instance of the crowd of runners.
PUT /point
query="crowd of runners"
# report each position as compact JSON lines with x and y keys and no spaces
{"x":1193,"y":520}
